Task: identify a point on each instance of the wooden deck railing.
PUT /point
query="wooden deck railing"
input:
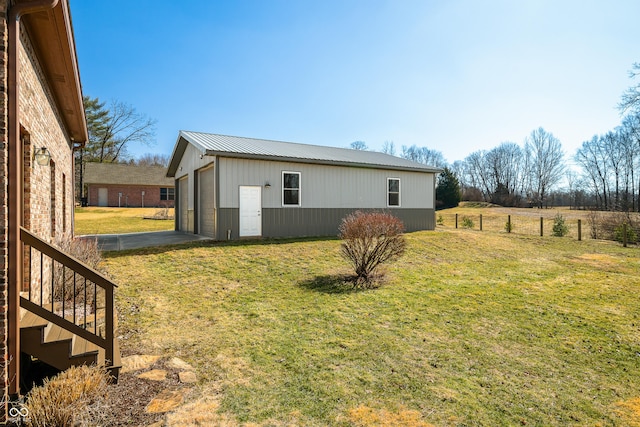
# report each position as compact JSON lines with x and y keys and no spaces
{"x":68,"y":293}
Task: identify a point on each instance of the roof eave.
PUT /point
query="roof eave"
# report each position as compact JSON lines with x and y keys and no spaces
{"x":53,"y":40}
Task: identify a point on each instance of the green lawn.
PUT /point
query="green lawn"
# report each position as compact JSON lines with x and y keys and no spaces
{"x":471,"y":329}
{"x":94,"y":220}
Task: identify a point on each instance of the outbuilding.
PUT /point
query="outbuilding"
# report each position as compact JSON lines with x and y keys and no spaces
{"x":128,"y":186}
{"x":230,"y":187}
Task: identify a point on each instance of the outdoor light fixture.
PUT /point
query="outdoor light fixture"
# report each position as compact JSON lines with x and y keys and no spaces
{"x":267,"y":185}
{"x":42,"y":156}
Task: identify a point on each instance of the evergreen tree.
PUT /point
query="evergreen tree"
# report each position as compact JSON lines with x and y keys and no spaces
{"x":448,"y":193}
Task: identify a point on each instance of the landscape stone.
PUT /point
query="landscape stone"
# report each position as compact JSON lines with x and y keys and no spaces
{"x":137,"y":362}
{"x":187,"y":377}
{"x":179,"y":364}
{"x":154,"y":375}
{"x":166,"y":401}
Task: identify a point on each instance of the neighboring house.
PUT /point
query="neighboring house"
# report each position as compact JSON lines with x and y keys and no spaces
{"x":123,"y":185}
{"x":42,"y":123}
{"x":230,"y":187}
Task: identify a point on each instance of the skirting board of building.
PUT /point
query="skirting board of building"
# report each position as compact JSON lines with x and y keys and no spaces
{"x":316,"y":222}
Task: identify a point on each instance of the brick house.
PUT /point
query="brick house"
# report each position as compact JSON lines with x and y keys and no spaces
{"x":124,"y":185}
{"x":42,"y":121}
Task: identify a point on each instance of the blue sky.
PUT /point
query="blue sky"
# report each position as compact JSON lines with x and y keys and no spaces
{"x":452,"y":75}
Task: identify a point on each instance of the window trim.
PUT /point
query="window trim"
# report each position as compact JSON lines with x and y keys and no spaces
{"x":290,"y":205}
{"x":399,"y":193}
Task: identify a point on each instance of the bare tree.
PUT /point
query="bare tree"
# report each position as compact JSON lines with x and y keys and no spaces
{"x":389,"y":148}
{"x":423,"y":155}
{"x":113,"y":129}
{"x":359,"y":145}
{"x":149,"y":159}
{"x":546,"y":163}
{"x":631,"y":97}
{"x":593,"y":159}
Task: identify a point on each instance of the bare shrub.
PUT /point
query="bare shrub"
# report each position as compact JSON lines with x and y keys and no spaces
{"x":609,"y":225}
{"x":75,"y":397}
{"x":68,"y":287}
{"x":593,"y":219}
{"x":370,"y":239}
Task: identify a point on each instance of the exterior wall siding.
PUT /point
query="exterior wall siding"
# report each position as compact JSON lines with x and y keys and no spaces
{"x":278,"y":222}
{"x":324,"y":186}
{"x":131,"y":196}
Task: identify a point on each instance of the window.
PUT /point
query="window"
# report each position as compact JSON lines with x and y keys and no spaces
{"x":291,"y":188}
{"x":167,"y":193}
{"x":393,"y":191}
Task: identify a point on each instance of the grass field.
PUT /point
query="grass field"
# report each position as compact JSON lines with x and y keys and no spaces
{"x":94,"y":220}
{"x":470,"y":329}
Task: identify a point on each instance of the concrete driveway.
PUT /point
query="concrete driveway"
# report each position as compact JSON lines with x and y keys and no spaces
{"x":120,"y":242}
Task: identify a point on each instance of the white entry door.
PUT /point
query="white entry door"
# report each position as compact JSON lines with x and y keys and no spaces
{"x":250,"y":211}
{"x":103,"y":197}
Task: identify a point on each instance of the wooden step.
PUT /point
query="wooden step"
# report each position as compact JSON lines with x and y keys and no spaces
{"x":55,"y":353}
{"x":60,"y":348}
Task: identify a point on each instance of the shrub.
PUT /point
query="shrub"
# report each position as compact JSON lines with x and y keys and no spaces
{"x":440,"y":220}
{"x":560,"y":228}
{"x":509,"y":226}
{"x":84,"y":250}
{"x":609,"y":225}
{"x":467,"y":222}
{"x":370,"y":239}
{"x":618,"y":233}
{"x":76,"y":396}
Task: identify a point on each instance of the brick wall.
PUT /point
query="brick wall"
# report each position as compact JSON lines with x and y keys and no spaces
{"x":41,"y":125}
{"x":48,"y":189}
{"x":51,"y":187}
{"x":131,"y":196}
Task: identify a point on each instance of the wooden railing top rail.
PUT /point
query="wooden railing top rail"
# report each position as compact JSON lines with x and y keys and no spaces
{"x":46,"y":248}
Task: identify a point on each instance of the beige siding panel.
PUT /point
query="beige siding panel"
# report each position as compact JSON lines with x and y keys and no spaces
{"x":206,"y":200}
{"x":324,"y":186}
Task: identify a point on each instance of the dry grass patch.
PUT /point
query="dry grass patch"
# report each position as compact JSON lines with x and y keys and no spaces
{"x":77,"y":396}
{"x":629,"y":411}
{"x":363,"y":416}
{"x":100,"y":220}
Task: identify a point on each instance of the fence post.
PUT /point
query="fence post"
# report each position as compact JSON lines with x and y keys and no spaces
{"x":541,"y":226}
{"x":624,"y":234}
{"x":456,"y":220}
{"x":508,"y":223}
{"x":480,"y":222}
{"x":579,"y":230}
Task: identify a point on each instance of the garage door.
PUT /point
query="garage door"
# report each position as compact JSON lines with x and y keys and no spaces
{"x":206,"y":199}
{"x":183,"y":190}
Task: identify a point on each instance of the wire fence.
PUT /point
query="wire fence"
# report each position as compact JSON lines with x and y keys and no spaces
{"x":537,"y":225}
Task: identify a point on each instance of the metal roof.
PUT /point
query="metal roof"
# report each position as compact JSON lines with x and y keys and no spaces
{"x":125,"y":174}
{"x":235,"y":146}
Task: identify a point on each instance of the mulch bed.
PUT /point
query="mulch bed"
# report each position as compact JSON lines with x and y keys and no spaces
{"x":131,"y":395}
